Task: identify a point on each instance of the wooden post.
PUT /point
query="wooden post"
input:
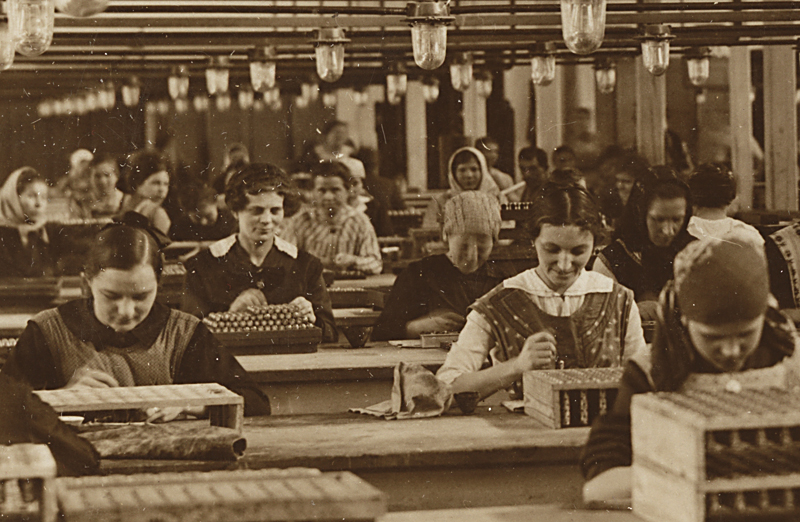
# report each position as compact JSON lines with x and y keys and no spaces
{"x":741,"y":124}
{"x":416,"y":137}
{"x":780,"y":127}
{"x":651,"y":114}
{"x":550,"y":113}
{"x":518,"y":93}
{"x":626,"y":102}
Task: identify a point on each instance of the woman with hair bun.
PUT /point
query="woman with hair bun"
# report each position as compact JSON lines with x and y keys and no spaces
{"x":120,"y":336}
{"x":557,"y":315}
{"x":145,"y":182}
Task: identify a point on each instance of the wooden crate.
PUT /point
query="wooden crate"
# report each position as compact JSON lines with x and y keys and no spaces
{"x":27,"y":483}
{"x":569,"y":398}
{"x":224,"y":496}
{"x":438,"y":340}
{"x":224,"y":407}
{"x":713,"y":454}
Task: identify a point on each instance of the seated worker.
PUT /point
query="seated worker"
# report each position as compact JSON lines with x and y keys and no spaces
{"x":716,"y":317}
{"x":330,"y":229}
{"x":651,"y":232}
{"x":783,"y":259}
{"x":24,"y":244}
{"x":120,"y":336}
{"x":491,"y":152}
{"x":433,"y":294}
{"x":255,"y":267}
{"x":104,"y":175}
{"x":363,"y":201}
{"x":145,"y":182}
{"x":713,"y":189}
{"x":533,"y":167}
{"x":76,"y":185}
{"x":555,"y":315}
{"x":466,"y":170}
{"x":200,"y":218}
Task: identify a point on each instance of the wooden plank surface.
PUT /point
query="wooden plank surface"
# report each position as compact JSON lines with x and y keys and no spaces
{"x":550,"y":513}
{"x":380,"y":281}
{"x":349,"y":317}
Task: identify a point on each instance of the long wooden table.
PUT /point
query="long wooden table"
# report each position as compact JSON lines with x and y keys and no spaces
{"x":530,"y":513}
{"x":335,"y":378}
{"x":492,"y":458}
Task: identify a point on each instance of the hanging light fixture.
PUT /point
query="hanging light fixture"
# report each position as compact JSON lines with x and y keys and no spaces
{"x":655,"y":48}
{"x":178,"y":82}
{"x":182,"y":105}
{"x":200,"y":103}
{"x":583,"y":24}
{"x":31,"y":23}
{"x":361,"y":97}
{"x":92,"y":100}
{"x":6,"y":45}
{"x":605,"y":75}
{"x":430,"y":89}
{"x":108,"y":96}
{"x":310,"y":90}
{"x":396,"y":83}
{"x":81,"y":8}
{"x":543,"y":63}
{"x":272,"y":98}
{"x":131,"y":90}
{"x":483,"y":83}
{"x":461,"y":71}
{"x":429,"y":20}
{"x":217,"y":75}
{"x":329,"y":99}
{"x":245,"y":97}
{"x":222,"y":102}
{"x":697,"y":64}
{"x":330,"y":53}
{"x":262,"y":68}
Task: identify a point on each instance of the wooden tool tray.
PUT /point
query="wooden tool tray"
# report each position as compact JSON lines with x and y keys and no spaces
{"x":303,"y":340}
{"x":225,"y":407}
{"x":438,"y":340}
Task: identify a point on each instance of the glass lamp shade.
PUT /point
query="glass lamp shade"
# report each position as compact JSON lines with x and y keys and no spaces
{"x":31,"y":23}
{"x":606,"y":79}
{"x":655,"y":49}
{"x":330,"y":61}
{"x":200,"y":103}
{"x":329,"y":99}
{"x":222,"y":102}
{"x":310,"y":91}
{"x":217,"y":75}
{"x":44,"y":109}
{"x":698,"y":66}
{"x":461,"y":72}
{"x":301,"y":102}
{"x":483,"y":84}
{"x":131,"y":92}
{"x":429,"y":42}
{"x":430,"y":89}
{"x":272,"y":95}
{"x":262,"y":75}
{"x":396,"y":87}
{"x":6,"y":47}
{"x":178,"y":83}
{"x":108,"y":96}
{"x":360,"y":97}
{"x":92,"y":100}
{"x":81,"y":8}
{"x":583,"y":24}
{"x":245,"y":97}
{"x":181,"y":105}
{"x":543,"y":69}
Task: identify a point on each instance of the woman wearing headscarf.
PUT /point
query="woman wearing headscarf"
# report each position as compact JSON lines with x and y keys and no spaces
{"x":24,"y":245}
{"x":466,"y":170}
{"x":716,"y":317}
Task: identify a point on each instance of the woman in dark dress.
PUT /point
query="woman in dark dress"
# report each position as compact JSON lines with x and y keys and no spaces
{"x":254,"y":266}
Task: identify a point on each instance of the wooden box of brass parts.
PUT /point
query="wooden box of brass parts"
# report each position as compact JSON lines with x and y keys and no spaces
{"x":716,"y":455}
{"x":221,"y":496}
{"x":171,"y":285}
{"x":268,"y":329}
{"x":569,"y":398}
{"x":27,"y":483}
{"x":224,"y":407}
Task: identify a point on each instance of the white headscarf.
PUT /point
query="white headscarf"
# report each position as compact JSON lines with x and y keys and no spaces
{"x":11,"y":213}
{"x":487,"y":184}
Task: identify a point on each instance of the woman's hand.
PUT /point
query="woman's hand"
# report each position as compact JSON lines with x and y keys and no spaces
{"x":436,"y":321}
{"x":612,"y":487}
{"x":648,"y":310}
{"x":305,"y":308}
{"x":91,"y":378}
{"x":538,"y":353}
{"x":171,"y":413}
{"x":248,"y":298}
{"x":344,"y":261}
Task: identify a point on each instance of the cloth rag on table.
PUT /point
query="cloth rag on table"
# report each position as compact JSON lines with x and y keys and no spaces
{"x":416,"y":393}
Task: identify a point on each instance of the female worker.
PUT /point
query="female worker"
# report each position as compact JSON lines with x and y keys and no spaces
{"x":716,"y":317}
{"x":145,"y":182}
{"x":120,"y":336}
{"x":433,"y":294}
{"x":554,"y":315}
{"x":256,"y":267}
{"x":24,"y":244}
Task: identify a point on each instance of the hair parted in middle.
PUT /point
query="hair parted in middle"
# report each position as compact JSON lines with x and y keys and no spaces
{"x":561,"y":204}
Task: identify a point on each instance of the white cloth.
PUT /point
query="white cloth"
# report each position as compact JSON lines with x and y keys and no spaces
{"x":718,"y":228}
{"x":475,"y":342}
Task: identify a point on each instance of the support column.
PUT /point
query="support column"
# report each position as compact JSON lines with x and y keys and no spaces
{"x":416,"y":137}
{"x":550,"y":113}
{"x":741,"y":115}
{"x":651,"y":114}
{"x":626,"y":102}
{"x":780,"y":122}
{"x":518,"y":93}
{"x":474,"y":113}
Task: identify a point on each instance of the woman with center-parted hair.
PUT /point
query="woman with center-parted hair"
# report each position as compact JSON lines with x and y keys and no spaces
{"x":254,"y":266}
{"x":119,"y":335}
{"x":555,"y":315}
{"x":145,"y":183}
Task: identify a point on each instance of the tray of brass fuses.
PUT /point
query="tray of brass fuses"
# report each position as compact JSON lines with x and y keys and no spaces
{"x":269,"y":329}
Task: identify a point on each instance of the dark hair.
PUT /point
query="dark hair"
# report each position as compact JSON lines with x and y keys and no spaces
{"x":485,"y":142}
{"x":252,"y":180}
{"x":27,"y":176}
{"x":138,"y":167}
{"x":331,"y":169}
{"x":534,"y":153}
{"x":633,"y":164}
{"x":195,"y":194}
{"x":332,"y":125}
{"x":123,"y":247}
{"x":461,"y":157}
{"x":712,"y":185}
{"x":565,"y":204}
{"x":105,"y":157}
{"x":564,"y":148}
{"x":566,"y":176}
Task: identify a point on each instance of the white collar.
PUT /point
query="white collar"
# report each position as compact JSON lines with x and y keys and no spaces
{"x":588,"y":282}
{"x":223,"y":246}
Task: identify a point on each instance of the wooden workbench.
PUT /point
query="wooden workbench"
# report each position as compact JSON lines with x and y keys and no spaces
{"x":492,"y":458}
{"x":551,"y":513}
{"x":335,"y":378}
{"x":378,"y":282}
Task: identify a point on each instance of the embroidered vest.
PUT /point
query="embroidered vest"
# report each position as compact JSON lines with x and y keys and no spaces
{"x":135,"y":365}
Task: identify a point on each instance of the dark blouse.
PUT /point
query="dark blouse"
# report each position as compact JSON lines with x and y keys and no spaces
{"x":430,"y":284}
{"x":35,"y":259}
{"x":204,"y":359}
{"x":780,"y":280}
{"x":213,"y":282}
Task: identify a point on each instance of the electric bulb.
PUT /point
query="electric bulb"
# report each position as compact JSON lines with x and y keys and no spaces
{"x":31,"y":23}
{"x":583,"y":24}
{"x":429,"y":20}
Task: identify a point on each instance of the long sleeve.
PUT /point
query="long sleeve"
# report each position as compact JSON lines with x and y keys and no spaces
{"x":634,"y":334}
{"x":780,"y":281}
{"x":469,"y":352}
{"x":205,"y":360}
{"x":368,"y":251}
{"x":317,"y":293}
{"x":195,"y":299}
{"x":31,"y":361}
{"x":406,"y":302}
